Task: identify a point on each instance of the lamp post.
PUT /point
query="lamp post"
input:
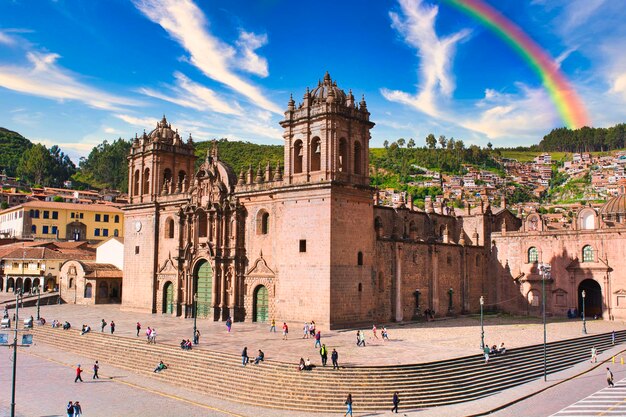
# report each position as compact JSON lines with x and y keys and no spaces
{"x":450,"y":292}
{"x":18,"y":293}
{"x":38,"y":299}
{"x":545,"y":271}
{"x":584,"y":322}
{"x":482,"y":329}
{"x":60,"y":290}
{"x":195,"y":316}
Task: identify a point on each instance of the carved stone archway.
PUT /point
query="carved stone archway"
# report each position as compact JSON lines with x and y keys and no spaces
{"x":259,"y":274}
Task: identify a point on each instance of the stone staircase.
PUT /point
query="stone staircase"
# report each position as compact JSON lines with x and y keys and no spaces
{"x":280,"y":385}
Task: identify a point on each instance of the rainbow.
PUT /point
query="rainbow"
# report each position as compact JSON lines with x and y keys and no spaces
{"x":567,"y":102}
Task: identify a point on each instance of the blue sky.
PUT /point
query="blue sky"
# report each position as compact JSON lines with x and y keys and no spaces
{"x":75,"y":73}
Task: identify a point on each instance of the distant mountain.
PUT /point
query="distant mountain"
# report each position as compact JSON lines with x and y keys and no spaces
{"x":12,"y":147}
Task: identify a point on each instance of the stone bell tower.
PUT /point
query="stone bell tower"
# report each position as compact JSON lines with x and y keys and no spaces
{"x":327,"y":137}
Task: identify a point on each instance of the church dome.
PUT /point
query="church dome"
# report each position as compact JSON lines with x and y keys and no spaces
{"x":164,"y":132}
{"x":615,"y":206}
{"x":326,"y":88}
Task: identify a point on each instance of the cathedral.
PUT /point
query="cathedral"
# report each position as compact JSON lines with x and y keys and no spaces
{"x":308,"y":241}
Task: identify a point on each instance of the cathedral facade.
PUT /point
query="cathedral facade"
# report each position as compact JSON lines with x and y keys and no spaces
{"x":304,"y":242}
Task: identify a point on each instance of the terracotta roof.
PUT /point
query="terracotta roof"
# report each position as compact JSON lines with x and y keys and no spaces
{"x":97,"y":270}
{"x":66,"y":206}
{"x":70,"y":245}
{"x":33,"y":253}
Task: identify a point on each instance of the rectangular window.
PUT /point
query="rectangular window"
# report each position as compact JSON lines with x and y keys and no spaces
{"x":97,"y":217}
{"x":105,"y":232}
{"x":106,"y":218}
{"x":81,"y":215}
{"x":302,"y":245}
{"x":16,"y":265}
{"x":73,"y":215}
{"x":136,"y":250}
{"x":54,"y":230}
{"x":96,"y":232}
{"x":44,"y":230}
{"x":46,"y":214}
{"x":55,"y":215}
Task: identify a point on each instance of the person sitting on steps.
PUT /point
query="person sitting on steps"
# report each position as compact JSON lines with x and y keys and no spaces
{"x":161,"y":366}
{"x":301,"y":365}
{"x":85,"y":329}
{"x":260,"y":357}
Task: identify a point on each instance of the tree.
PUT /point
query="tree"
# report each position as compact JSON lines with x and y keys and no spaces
{"x":106,"y":166}
{"x":431,"y":141}
{"x":442,"y":141}
{"x":411,"y":144}
{"x":489,"y":145}
{"x":62,"y":167}
{"x":401,"y":142}
{"x":386,"y":144}
{"x":36,"y":165}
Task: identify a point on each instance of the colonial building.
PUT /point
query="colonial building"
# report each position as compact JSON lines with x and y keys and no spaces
{"x":306,"y":242}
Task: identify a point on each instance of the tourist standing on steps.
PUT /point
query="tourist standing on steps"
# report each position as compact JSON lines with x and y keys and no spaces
{"x":95,"y":371}
{"x":396,"y":402}
{"x":613,"y":337}
{"x":609,"y":377}
{"x":112,"y":326}
{"x":138,"y":328}
{"x":229,"y":324}
{"x":78,"y":372}
{"x":103,"y":324}
{"x":285,"y":331}
{"x":361,"y":338}
{"x":244,"y":356}
{"x":196,"y":337}
{"x":486,"y":353}
{"x":153,"y":335}
{"x":335,"y":357}
{"x":594,"y":354}
{"x":148,"y":334}
{"x":70,"y":409}
{"x":78,"y":410}
{"x":324,"y":355}
{"x":273,"y":326}
{"x":318,"y":339}
{"x":348,"y":405}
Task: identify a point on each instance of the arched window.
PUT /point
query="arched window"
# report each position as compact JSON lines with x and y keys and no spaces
{"x":116,"y":233}
{"x":588,"y":220}
{"x":167,"y":176}
{"x":117,"y":218}
{"x":146,"y":181}
{"x":358,"y":169}
{"x":202,"y":224}
{"x":298,"y":154}
{"x":182,"y":179}
{"x":316,"y":154}
{"x":88,"y":290}
{"x":378,"y":226}
{"x":359,"y":258}
{"x":71,"y":282}
{"x":263,"y":223}
{"x":136,"y":183}
{"x":588,"y":253}
{"x":169,"y":228}
{"x":342,"y":163}
{"x":533,"y":255}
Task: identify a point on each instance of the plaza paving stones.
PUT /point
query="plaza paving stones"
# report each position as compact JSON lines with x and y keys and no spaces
{"x":610,"y":401}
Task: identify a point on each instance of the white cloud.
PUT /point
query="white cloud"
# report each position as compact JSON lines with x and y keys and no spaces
{"x":417,"y":27}
{"x":528,"y":115}
{"x":187,"y":24}
{"x":142,"y":122}
{"x":44,"y":78}
{"x":578,"y":12}
{"x":6,"y":39}
{"x":249,"y":61}
{"x":188,"y":93}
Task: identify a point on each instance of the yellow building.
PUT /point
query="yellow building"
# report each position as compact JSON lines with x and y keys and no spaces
{"x":64,"y":221}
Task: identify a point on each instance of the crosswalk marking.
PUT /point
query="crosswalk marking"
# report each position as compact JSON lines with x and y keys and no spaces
{"x":606,"y":402}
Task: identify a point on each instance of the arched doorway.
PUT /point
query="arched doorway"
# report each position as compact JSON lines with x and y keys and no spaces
{"x":261,"y":304}
{"x":50,"y":284}
{"x":27,"y":285}
{"x":593,"y":298}
{"x":203,"y":283}
{"x":168,"y":298}
{"x":10,"y":285}
{"x":36,"y":285}
{"x":88,"y":291}
{"x":19,"y":284}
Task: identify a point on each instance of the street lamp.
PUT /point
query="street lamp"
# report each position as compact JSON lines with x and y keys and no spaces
{"x":544,"y":271}
{"x":18,"y":293}
{"x":195,"y":316}
{"x":450,"y":292}
{"x":38,"y":299}
{"x":584,"y":322}
{"x":482,"y":329}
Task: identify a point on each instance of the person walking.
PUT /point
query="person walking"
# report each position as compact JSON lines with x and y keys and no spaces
{"x":78,"y":372}
{"x":318,"y":339}
{"x":396,"y":402}
{"x":348,"y":406}
{"x":362,"y":338}
{"x":594,"y":354}
{"x":229,"y":324}
{"x":138,"y":328}
{"x":95,"y":371}
{"x":273,"y":326}
{"x":153,"y":335}
{"x":609,"y":377}
{"x":324,"y":355}
{"x":112,"y":326}
{"x":613,"y":338}
{"x":70,"y":409}
{"x":103,"y":324}
{"x":78,"y":410}
{"x":305,"y":330}
{"x":285,"y":331}
{"x":244,"y":356}
{"x":148,"y":334}
{"x":374,"y":331}
{"x":335,"y":357}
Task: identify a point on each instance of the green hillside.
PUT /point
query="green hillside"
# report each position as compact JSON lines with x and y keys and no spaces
{"x":12,"y":147}
{"x":241,"y":155}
